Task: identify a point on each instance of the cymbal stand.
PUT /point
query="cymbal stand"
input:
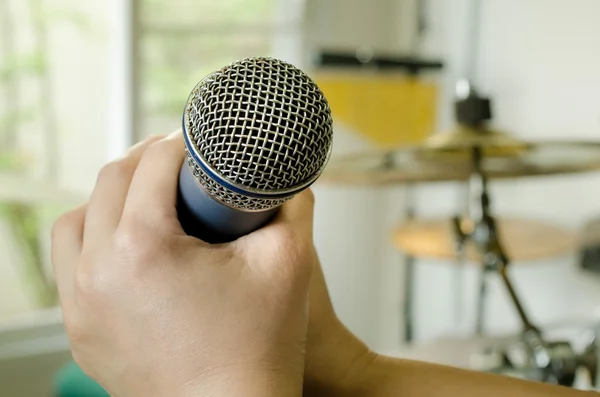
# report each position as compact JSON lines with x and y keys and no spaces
{"x":486,"y":239}
{"x":459,"y":241}
{"x":409,"y":275}
{"x":483,"y":289}
{"x":553,"y":363}
{"x":409,"y":262}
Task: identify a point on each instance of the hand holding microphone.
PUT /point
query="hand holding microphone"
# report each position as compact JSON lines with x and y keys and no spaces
{"x":152,"y":310}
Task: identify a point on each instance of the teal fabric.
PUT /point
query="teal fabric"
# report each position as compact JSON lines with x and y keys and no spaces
{"x":71,"y":381}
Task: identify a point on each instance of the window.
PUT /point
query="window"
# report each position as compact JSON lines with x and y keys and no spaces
{"x":52,"y":133}
{"x":182,"y":41}
{"x":66,"y":76}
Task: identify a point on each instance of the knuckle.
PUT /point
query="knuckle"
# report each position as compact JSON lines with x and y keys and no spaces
{"x":115,"y":169}
{"x":89,"y":284}
{"x":76,"y":332}
{"x":135,"y":244}
{"x":63,"y":222}
{"x":154,"y":138}
{"x":162,"y":148}
{"x":156,"y":149}
{"x":59,"y":225}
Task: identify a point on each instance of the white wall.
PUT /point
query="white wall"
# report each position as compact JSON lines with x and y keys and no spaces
{"x":539,"y":60}
{"x":348,"y":230}
{"x":382,"y":26}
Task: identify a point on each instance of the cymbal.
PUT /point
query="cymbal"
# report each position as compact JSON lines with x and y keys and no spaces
{"x":523,"y":239}
{"x":464,"y":138}
{"x":446,"y":157}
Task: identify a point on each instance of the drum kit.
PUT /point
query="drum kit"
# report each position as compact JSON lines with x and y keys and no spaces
{"x":475,"y":154}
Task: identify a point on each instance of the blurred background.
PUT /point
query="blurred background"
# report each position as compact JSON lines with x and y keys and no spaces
{"x":81,"y":81}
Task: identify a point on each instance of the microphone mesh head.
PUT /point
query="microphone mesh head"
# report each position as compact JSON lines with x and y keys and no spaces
{"x":263,"y":126}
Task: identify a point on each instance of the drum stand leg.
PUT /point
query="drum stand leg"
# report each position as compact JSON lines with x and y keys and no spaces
{"x":551,"y":362}
{"x":480,"y":319}
{"x":409,"y":276}
{"x":460,"y":238}
{"x":486,"y":239}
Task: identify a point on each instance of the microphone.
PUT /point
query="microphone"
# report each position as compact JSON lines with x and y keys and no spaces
{"x":257,"y":132}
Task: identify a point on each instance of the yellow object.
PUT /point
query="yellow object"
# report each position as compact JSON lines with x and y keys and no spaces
{"x":389,"y":109}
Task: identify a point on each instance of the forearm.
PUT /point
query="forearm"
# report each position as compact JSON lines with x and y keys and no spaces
{"x":385,"y":376}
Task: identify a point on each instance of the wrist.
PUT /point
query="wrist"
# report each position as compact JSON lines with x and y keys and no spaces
{"x":337,"y":365}
{"x":374,"y":375}
{"x":249,"y":383}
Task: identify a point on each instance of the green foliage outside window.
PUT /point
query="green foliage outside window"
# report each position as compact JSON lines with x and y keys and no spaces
{"x":183,"y":41}
{"x":27,"y":220}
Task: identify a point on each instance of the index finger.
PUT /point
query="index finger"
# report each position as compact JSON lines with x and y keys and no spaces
{"x":67,"y":242}
{"x":152,"y":196}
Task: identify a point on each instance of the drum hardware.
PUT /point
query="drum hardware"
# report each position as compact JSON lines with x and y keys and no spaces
{"x":474,"y":153}
{"x":480,"y":315}
{"x":459,"y":247}
{"x":524,"y":239}
{"x":409,"y":271}
{"x":560,"y":367}
{"x":485,"y":237}
{"x":559,"y":363}
{"x":409,"y":260}
{"x":588,"y":360}
{"x":588,"y":249}
{"x":433,"y":162}
{"x":550,"y":362}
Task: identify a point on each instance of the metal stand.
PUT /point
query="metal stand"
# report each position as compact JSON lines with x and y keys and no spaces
{"x":409,"y":276}
{"x":486,"y":239}
{"x":480,"y":319}
{"x":460,"y":240}
{"x":554,"y":362}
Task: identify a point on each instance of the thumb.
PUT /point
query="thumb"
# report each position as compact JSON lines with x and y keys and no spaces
{"x":287,"y":240}
{"x":298,"y":213}
{"x":294,"y":220}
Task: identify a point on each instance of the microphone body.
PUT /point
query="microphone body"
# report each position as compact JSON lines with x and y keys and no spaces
{"x":256,"y":132}
{"x":204,"y":217}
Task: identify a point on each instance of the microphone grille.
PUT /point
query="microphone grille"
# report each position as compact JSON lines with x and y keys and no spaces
{"x":261,"y":124}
